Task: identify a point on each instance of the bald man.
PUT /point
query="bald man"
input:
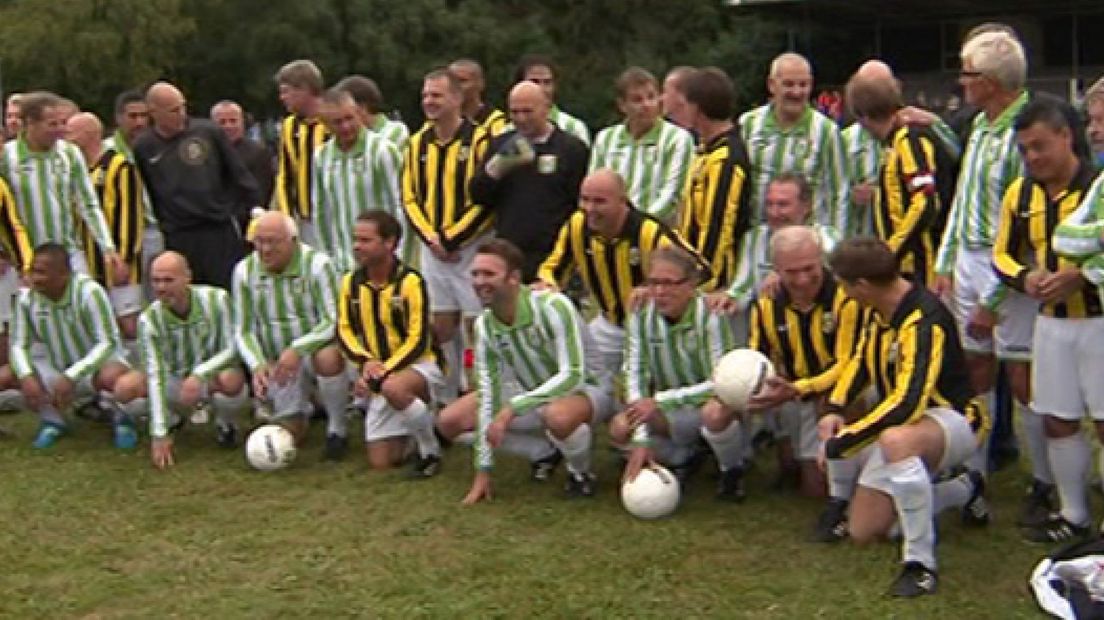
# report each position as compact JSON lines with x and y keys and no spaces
{"x":197,"y":184}
{"x":788,"y":135}
{"x":532,"y":180}
{"x":188,"y":357}
{"x":230,"y":118}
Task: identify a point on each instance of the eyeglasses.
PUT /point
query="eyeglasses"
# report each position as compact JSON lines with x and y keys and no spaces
{"x":665,"y":282}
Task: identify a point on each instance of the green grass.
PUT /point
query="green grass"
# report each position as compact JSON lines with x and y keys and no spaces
{"x":90,"y":532}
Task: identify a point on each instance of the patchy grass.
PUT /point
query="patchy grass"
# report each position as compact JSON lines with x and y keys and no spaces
{"x":94,"y":533}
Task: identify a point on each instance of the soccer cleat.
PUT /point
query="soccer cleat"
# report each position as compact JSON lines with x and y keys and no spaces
{"x":541,"y":469}
{"x":47,"y":436}
{"x":1038,"y":504}
{"x":425,"y":467}
{"x":335,"y":447}
{"x":580,"y":485}
{"x":730,"y":486}
{"x":1056,"y":530}
{"x":126,"y":437}
{"x":831,"y":525}
{"x":226,"y":436}
{"x":975,"y":512}
{"x":915,"y":580}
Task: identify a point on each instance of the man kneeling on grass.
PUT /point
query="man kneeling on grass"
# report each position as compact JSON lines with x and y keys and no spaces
{"x":926,"y":420}
{"x":383,"y":327}
{"x":186,"y":342}
{"x":539,"y":339}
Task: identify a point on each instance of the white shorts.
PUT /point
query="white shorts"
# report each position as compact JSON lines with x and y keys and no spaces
{"x":1067,"y":374}
{"x":381,"y":421}
{"x":601,"y":404}
{"x":974,"y":278}
{"x":293,"y":398}
{"x":685,"y":425}
{"x":47,"y":374}
{"x":449,"y":284}
{"x":959,"y":440}
{"x":126,"y":300}
{"x":610,"y":340}
{"x":798,"y":421}
{"x":9,"y":289}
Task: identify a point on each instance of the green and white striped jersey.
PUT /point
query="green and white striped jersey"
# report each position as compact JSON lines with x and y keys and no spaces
{"x":654,"y":167}
{"x":568,"y":123}
{"x":394,"y":131}
{"x":812,"y":147}
{"x":296,"y":308}
{"x":754,"y":262}
{"x":1078,"y":236}
{"x":200,"y":344}
{"x":673,"y":362}
{"x":990,"y":163}
{"x":864,"y":159}
{"x":47,"y":187}
{"x":548,"y":350}
{"x":77,"y":332}
{"x":347,"y":183}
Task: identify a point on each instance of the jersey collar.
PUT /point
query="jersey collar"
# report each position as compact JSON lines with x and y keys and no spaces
{"x":523,"y":313}
{"x":801,"y":126}
{"x":650,"y":137}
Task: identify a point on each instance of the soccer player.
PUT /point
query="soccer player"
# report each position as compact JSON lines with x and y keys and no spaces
{"x":383,"y":327}
{"x":354,"y":171}
{"x":285,"y":308}
{"x":64,"y":344}
{"x":369,"y":100}
{"x":299,"y":83}
{"x":650,"y":153}
{"x":715,"y":210}
{"x":440,"y":162}
{"x":673,"y":97}
{"x":49,"y":180}
{"x":1094,"y":112}
{"x":924,"y":421}
{"x":608,"y":242}
{"x":787,"y":134}
{"x":13,"y":117}
{"x":483,"y":115}
{"x":230,"y":118}
{"x":531,"y":181}
{"x":541,"y":71}
{"x":672,"y":343}
{"x":186,"y":340}
{"x":809,"y":328}
{"x":537,"y":337}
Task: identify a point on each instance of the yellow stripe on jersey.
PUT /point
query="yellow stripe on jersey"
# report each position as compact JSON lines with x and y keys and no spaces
{"x":118,"y":187}
{"x":610,"y":268}
{"x":491,"y":120}
{"x":1023,"y":242}
{"x":299,"y":138}
{"x":908,"y":202}
{"x":388,"y":323}
{"x":13,"y":235}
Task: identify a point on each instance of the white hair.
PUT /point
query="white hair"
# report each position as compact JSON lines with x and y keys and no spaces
{"x":998,"y":55}
{"x":788,"y":57}
{"x":793,"y":237}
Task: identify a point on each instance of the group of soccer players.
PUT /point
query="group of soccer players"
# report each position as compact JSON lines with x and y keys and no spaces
{"x":882,"y":268}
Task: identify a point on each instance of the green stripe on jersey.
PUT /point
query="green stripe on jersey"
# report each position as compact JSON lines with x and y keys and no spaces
{"x":654,"y":167}
{"x":567,"y":123}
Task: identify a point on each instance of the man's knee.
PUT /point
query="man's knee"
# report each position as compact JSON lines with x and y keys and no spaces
{"x":458,"y":417}
{"x":619,"y":428}
{"x":108,"y":375}
{"x":897,"y":443}
{"x":1057,"y":428}
{"x":715,"y":416}
{"x":563,"y":416}
{"x":229,"y":382}
{"x":328,"y":362}
{"x":130,"y":386}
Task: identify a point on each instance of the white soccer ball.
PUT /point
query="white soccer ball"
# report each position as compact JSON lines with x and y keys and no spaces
{"x":652,"y":495}
{"x":270,"y":447}
{"x":739,"y":374}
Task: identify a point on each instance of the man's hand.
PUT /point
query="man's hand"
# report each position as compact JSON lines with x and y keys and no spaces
{"x":719,"y":302}
{"x":640,"y":295}
{"x":774,"y":392}
{"x":497,"y":430}
{"x":120,"y":273}
{"x":641,"y":411}
{"x":1061,"y":284}
{"x":913,"y":115}
{"x":828,"y":427}
{"x":372,"y":374}
{"x":1033,"y":281}
{"x":981,"y":322}
{"x":862,"y":194}
{"x":287,"y":366}
{"x":639,"y":458}
{"x":480,"y":489}
{"x":191,"y":390}
{"x":514,"y":153}
{"x":771,"y":283}
{"x":942,"y":286}
{"x":541,"y":285}
{"x":161,"y":452}
{"x":261,"y":378}
{"x":438,"y":250}
{"x":33,"y":392}
{"x":62,"y":388}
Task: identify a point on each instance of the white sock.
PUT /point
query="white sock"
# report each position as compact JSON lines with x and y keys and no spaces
{"x":1070,"y":462}
{"x":227,"y":407}
{"x":575,"y":448}
{"x":726,"y":445}
{"x":419,"y":421}
{"x":979,"y":460}
{"x":526,"y":445}
{"x":1036,"y":440}
{"x":912,"y":496}
{"x":953,"y":493}
{"x":842,"y":476}
{"x":334,"y":394}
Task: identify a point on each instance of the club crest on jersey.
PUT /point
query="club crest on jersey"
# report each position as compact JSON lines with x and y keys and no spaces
{"x":828,"y":322}
{"x":634,"y":256}
{"x":892,"y":357}
{"x":397,"y":304}
{"x":801,"y":148}
{"x":193,"y":151}
{"x":463,"y":154}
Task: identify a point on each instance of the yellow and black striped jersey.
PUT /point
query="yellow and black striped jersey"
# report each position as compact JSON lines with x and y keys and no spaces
{"x":13,"y":236}
{"x":1028,"y":219}
{"x":907,"y":203}
{"x":389,"y":322}
{"x":808,"y":346}
{"x":435,"y":185}
{"x":716,"y":213}
{"x":491,"y":120}
{"x":299,"y":139}
{"x":119,"y":189}
{"x":610,"y":268}
{"x":915,"y":362}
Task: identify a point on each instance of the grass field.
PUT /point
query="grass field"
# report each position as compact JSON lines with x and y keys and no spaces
{"x":93,"y":533}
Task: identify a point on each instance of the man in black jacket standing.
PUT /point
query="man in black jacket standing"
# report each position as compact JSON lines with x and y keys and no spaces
{"x":197,"y":184}
{"x":531,"y":181}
